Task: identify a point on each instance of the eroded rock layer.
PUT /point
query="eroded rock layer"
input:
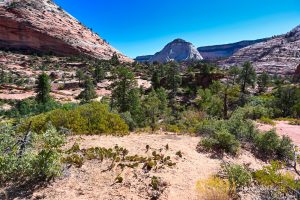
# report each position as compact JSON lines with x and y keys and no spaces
{"x":43,"y":26}
{"x":280,"y":55}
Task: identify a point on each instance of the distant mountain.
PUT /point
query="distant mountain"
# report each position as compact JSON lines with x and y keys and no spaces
{"x":42,"y":26}
{"x":222,"y":51}
{"x":279,"y":55}
{"x":177,"y":50}
{"x":212,"y":53}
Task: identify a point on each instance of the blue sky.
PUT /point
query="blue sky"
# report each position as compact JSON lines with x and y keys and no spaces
{"x":141,"y":27}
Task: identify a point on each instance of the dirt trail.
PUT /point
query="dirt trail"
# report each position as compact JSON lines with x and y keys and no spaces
{"x":90,"y":182}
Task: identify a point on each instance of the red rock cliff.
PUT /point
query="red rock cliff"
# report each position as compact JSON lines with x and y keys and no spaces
{"x":41,"y":25}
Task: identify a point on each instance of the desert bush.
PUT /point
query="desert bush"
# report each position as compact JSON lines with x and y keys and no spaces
{"x":30,"y":107}
{"x":190,"y":120}
{"x":29,"y":156}
{"x":172,"y":128}
{"x":237,"y":175}
{"x":227,"y":142}
{"x":271,"y":146}
{"x":93,"y":118}
{"x":253,"y":112}
{"x":285,"y":150}
{"x":221,"y":142}
{"x":267,"y":143}
{"x":214,"y":188}
{"x":127,"y":117}
{"x":273,"y":176}
{"x":287,"y":101}
{"x":209,"y":127}
{"x":244,"y":129}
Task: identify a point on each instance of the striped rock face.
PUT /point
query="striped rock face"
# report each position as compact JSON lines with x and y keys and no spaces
{"x":42,"y":26}
{"x":279,"y":55}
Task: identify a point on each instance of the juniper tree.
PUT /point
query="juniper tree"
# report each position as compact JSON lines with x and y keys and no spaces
{"x":122,"y":89}
{"x":233,"y":72}
{"x":99,"y":74}
{"x":43,"y":89}
{"x":151,"y":107}
{"x":115,"y":60}
{"x":173,"y":78}
{"x":263,"y":81}
{"x":79,"y":75}
{"x":89,"y":92}
{"x":247,"y":76}
{"x":155,"y":80}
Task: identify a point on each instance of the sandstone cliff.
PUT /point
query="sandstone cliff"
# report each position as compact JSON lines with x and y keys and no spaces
{"x":279,"y":55}
{"x":42,"y":26}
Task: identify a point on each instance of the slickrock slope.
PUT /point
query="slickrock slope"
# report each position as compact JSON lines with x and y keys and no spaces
{"x":178,"y":50}
{"x":42,"y":26}
{"x":280,"y":55}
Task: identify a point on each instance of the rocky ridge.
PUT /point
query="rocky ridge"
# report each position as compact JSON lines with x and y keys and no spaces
{"x":279,"y":55}
{"x":42,"y":26}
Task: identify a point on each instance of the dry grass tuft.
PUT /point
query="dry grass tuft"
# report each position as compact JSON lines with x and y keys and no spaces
{"x":213,"y":188}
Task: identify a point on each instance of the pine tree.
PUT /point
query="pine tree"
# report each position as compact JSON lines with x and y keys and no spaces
{"x":99,"y":74}
{"x":79,"y":75}
{"x":173,"y":78}
{"x":124,"y":83}
{"x":247,"y":76}
{"x":151,"y":105}
{"x":43,"y":89}
{"x":233,"y":72}
{"x":2,"y":75}
{"x":115,"y":60}
{"x":155,"y":80}
{"x":89,"y":92}
{"x":263,"y":81}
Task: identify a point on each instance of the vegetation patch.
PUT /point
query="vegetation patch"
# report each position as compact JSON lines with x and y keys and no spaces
{"x":29,"y":157}
{"x":93,"y":118}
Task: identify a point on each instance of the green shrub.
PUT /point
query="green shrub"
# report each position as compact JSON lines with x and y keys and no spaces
{"x":127,"y":117}
{"x":190,"y":120}
{"x":253,"y":112}
{"x":30,"y":107}
{"x":222,"y":141}
{"x":26,"y":157}
{"x":172,"y":128}
{"x":273,"y":176}
{"x":271,"y":146}
{"x":285,"y":150}
{"x":266,"y":120}
{"x":243,"y":128}
{"x":237,"y":175}
{"x":208,"y":143}
{"x":267,"y":143}
{"x":227,"y":142}
{"x":210,"y":127}
{"x":93,"y":118}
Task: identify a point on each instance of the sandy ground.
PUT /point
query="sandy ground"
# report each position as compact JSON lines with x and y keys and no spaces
{"x":90,"y":182}
{"x":19,"y":96}
{"x":283,"y":128}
